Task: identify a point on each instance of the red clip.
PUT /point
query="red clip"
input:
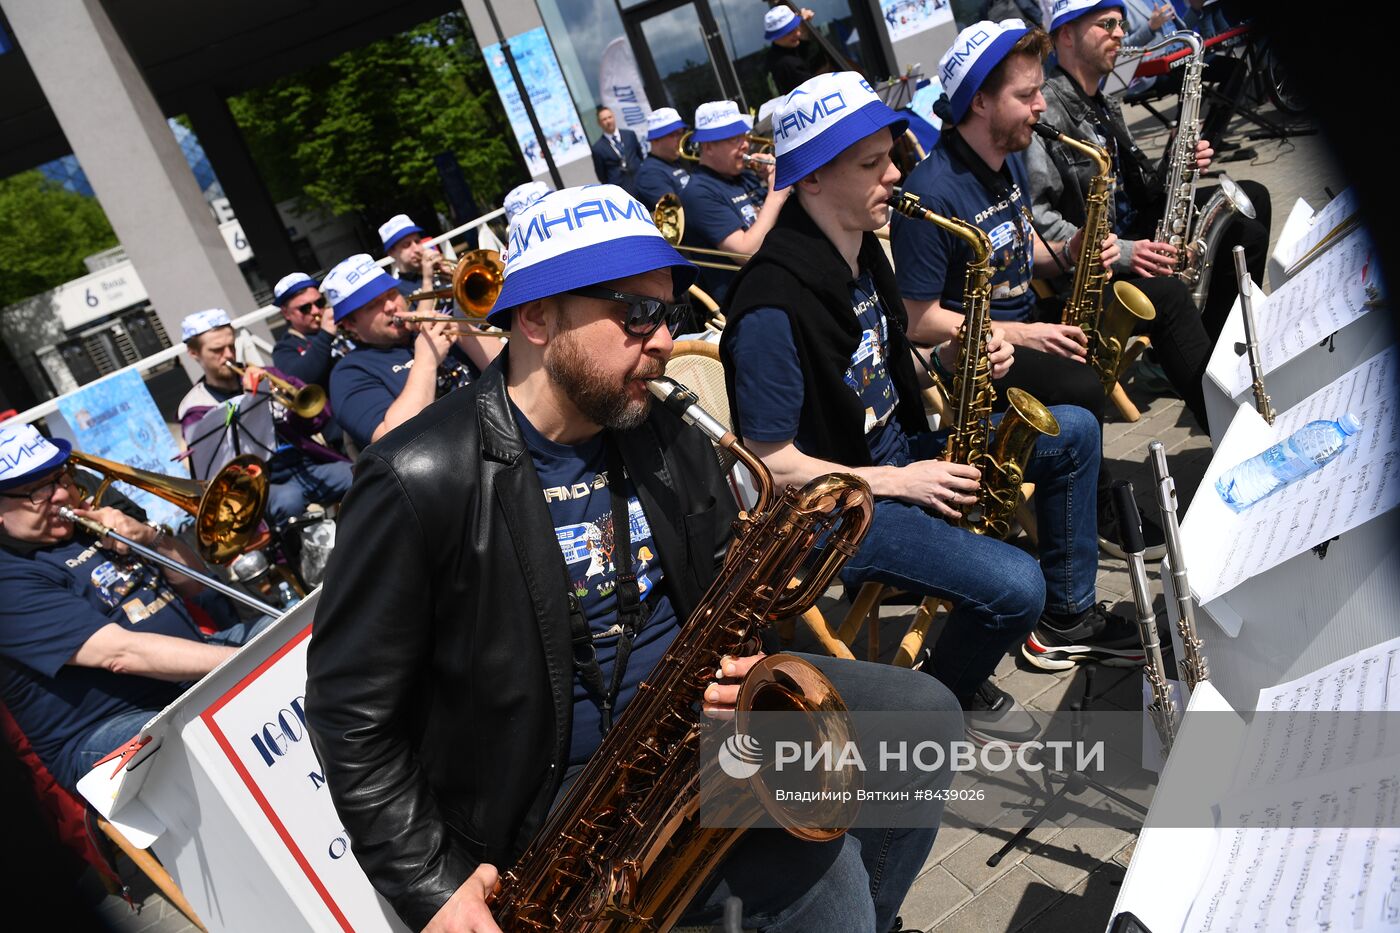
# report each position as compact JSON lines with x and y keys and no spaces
{"x":123,"y":754}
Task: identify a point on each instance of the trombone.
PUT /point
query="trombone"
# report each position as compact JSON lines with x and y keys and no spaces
{"x":305,"y":402}
{"x":476,"y":281}
{"x":669,"y":217}
{"x":227,"y":509}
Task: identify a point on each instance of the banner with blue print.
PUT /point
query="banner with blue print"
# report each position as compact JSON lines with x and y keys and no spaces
{"x":116,"y":418}
{"x":554,"y":108}
{"x":905,"y":18}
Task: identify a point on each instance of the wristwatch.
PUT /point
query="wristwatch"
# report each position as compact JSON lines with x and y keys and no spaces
{"x":161,"y":530}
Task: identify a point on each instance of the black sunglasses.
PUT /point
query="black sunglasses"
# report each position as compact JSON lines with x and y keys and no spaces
{"x":306,"y":308}
{"x":644,"y":315}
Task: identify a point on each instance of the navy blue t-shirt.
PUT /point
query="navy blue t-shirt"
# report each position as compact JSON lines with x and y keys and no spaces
{"x":657,"y":178}
{"x":308,"y":358}
{"x":768,"y":379}
{"x":55,"y":598}
{"x":366,"y":382}
{"x":931,"y":264}
{"x":715,"y":206}
{"x":575,"y":480}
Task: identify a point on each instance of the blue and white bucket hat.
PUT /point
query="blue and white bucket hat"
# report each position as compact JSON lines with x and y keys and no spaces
{"x":26,"y":455}
{"x":289,"y":285}
{"x":663,"y":121}
{"x":778,"y":22}
{"x":1065,"y":11}
{"x":823,"y":117}
{"x":720,"y":119}
{"x":522,"y":196}
{"x":395,"y":229}
{"x":202,"y":322}
{"x":975,"y":52}
{"x":353,"y":282}
{"x":582,"y":236}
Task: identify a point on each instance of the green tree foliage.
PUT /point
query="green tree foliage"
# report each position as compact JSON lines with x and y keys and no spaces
{"x":358,"y":134}
{"x":50,"y":230}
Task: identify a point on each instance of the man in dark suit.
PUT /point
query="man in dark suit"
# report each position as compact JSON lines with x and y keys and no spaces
{"x":616,"y":154}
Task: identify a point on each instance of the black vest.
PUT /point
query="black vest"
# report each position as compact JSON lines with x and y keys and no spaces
{"x":800,"y":271}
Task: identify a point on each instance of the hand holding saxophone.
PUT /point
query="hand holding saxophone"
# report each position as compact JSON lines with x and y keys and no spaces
{"x":1108,"y":254}
{"x":942,"y":487}
{"x":1065,"y":340}
{"x":466,"y":911}
{"x":1204,"y":154}
{"x":1151,"y":257}
{"x":722,"y":695}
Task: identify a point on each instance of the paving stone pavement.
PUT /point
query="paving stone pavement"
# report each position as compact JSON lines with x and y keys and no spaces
{"x":1066,"y":876}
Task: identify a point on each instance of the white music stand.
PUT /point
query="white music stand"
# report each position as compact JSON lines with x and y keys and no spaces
{"x":229,"y":795}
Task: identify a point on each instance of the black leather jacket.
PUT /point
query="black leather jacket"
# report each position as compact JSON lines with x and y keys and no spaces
{"x":439,"y":687}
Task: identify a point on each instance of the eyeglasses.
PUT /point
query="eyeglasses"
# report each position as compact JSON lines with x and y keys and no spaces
{"x":319,"y":303}
{"x":41,"y":495}
{"x":1110,"y":24}
{"x":644,"y":315}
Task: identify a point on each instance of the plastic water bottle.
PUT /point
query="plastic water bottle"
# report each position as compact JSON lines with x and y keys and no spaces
{"x":1311,"y":447}
{"x":286,"y":595}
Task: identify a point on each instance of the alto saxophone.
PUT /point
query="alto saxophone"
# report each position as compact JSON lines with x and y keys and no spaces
{"x":1195,"y":234}
{"x":1108,"y":328}
{"x":625,"y":850}
{"x":1001,"y":460}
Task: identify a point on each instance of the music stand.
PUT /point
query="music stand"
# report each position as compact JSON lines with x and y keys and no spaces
{"x":230,"y":430}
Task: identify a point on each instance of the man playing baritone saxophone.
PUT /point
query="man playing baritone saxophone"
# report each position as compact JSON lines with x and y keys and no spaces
{"x":821,"y":378}
{"x":396,"y":369}
{"x":445,"y":695}
{"x":977,"y":172}
{"x":1087,"y":42}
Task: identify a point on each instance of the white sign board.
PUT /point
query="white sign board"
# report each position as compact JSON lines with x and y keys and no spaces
{"x":260,"y":724}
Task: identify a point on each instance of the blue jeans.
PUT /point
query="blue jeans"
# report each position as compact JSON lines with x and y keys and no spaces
{"x":854,"y":884}
{"x":76,"y":760}
{"x":310,"y":482}
{"x":997,"y":590}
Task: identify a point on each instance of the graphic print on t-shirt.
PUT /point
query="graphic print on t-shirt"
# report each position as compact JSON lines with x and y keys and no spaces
{"x":867,"y":375}
{"x":118,"y":578}
{"x":589,"y":549}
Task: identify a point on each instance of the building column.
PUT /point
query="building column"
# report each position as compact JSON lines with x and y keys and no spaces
{"x":515,"y":18}
{"x":232,"y":162}
{"x":115,"y":126}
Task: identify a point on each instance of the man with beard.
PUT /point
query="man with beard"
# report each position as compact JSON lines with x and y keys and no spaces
{"x":1087,"y":41}
{"x":396,"y":369}
{"x":513,"y":563}
{"x":977,"y":173}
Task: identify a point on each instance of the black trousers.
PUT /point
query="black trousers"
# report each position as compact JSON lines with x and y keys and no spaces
{"x":1178,"y":340}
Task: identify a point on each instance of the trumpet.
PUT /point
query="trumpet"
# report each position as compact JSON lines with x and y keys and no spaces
{"x":669,"y":217}
{"x":476,"y":281}
{"x":760,"y":146}
{"x":305,"y":401}
{"x":227,"y":509}
{"x":464,"y":327}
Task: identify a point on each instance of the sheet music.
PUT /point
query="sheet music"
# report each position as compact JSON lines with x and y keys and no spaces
{"x":1325,"y":297}
{"x":1340,"y":211}
{"x":1276,"y":868}
{"x":1363,"y":482}
{"x":1308,"y":835}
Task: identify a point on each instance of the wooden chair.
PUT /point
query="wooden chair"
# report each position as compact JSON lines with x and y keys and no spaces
{"x":69,"y":814}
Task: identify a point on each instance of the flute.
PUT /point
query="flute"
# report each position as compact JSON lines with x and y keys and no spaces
{"x":1194,"y":668}
{"x":1162,"y":709}
{"x":1251,"y":336}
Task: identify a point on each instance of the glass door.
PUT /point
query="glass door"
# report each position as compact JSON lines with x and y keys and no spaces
{"x":681,"y":55}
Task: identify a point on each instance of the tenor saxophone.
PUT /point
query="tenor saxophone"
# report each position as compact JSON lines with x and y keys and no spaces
{"x":1195,"y":234}
{"x":625,"y":850}
{"x":1108,"y":328}
{"x":1001,"y":458}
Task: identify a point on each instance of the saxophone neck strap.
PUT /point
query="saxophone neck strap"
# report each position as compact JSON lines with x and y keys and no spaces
{"x":632,"y":611}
